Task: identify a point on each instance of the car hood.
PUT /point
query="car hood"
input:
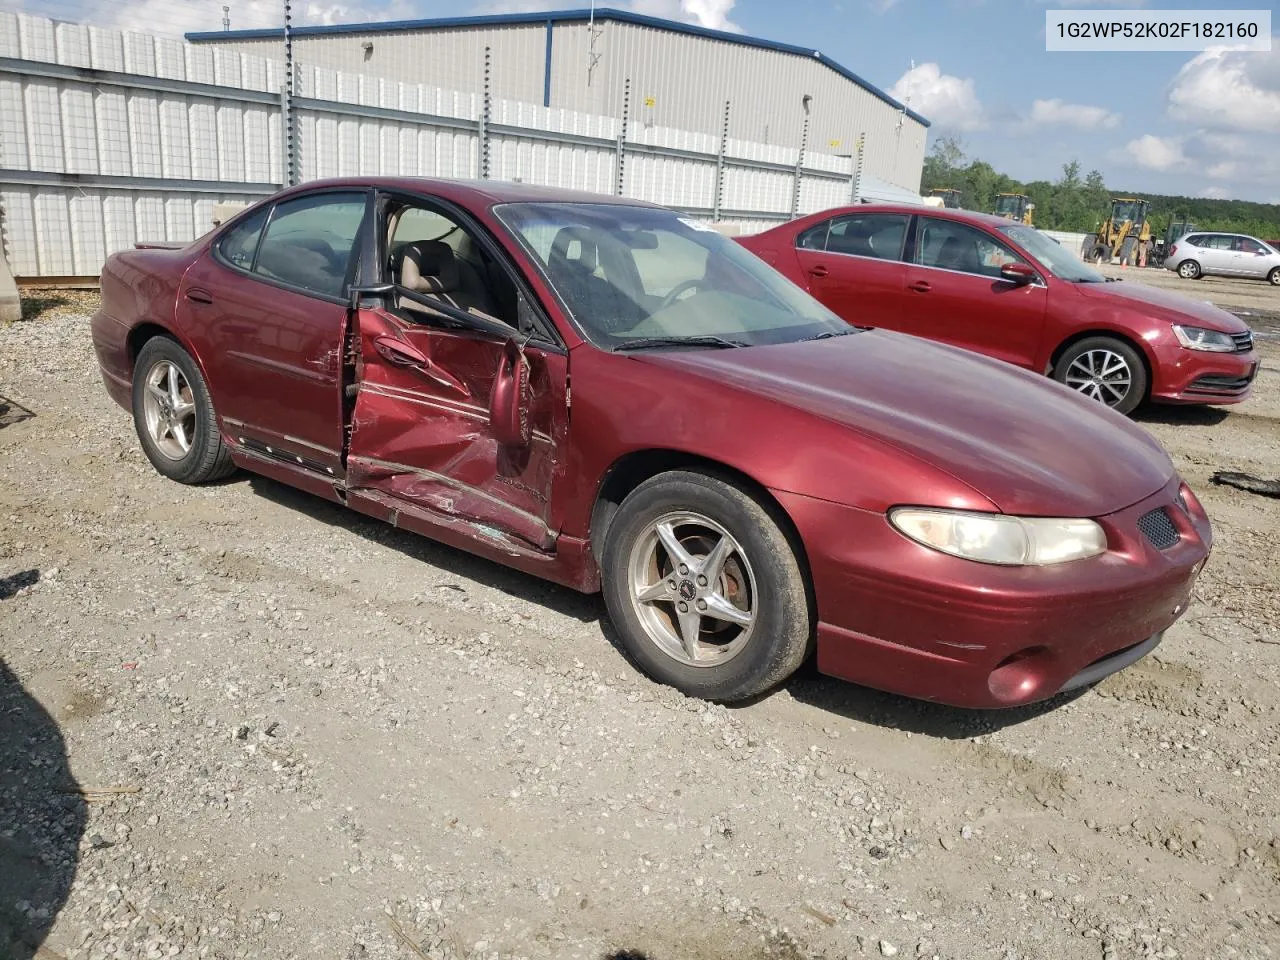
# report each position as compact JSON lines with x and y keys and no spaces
{"x":1027,"y":444}
{"x":1167,"y":305}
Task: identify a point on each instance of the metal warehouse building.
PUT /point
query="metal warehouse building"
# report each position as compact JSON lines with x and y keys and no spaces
{"x":680,"y":76}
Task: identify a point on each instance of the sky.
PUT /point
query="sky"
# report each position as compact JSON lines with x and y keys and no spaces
{"x":1169,"y":123}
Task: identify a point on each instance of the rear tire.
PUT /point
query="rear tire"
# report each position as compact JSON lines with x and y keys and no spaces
{"x":1189,"y":270}
{"x":174,"y":416}
{"x":1104,"y":369}
{"x":757,"y":626}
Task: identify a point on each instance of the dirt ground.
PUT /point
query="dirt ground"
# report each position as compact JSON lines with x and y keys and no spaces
{"x":238,"y":722}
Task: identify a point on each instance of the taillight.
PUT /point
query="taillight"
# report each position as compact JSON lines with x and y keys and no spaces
{"x":1173,"y":250}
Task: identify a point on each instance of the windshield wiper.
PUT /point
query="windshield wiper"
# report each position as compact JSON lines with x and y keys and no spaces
{"x":828,"y":334}
{"x":711,"y":340}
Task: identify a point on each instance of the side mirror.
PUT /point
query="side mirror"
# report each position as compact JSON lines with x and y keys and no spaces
{"x":1017,"y":273}
{"x":509,"y":399}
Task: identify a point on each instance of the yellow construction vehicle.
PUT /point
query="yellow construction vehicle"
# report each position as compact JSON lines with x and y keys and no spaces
{"x":1125,"y":234}
{"x":1014,"y":206}
{"x":949,"y":196}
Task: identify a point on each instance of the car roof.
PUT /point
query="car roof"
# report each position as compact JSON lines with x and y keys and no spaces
{"x":907,"y":209}
{"x":482,"y":193}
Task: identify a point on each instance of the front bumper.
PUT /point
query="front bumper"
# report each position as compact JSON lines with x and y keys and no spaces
{"x":1191,"y":376}
{"x":898,"y":616}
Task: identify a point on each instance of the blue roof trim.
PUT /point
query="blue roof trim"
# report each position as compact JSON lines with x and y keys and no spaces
{"x":564,"y":16}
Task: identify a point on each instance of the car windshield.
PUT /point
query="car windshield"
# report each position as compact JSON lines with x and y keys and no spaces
{"x":1126,"y":210}
{"x":1007,"y":205}
{"x":640,"y":277}
{"x":1054,"y":257}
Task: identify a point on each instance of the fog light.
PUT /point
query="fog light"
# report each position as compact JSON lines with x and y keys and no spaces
{"x":1021,"y":677}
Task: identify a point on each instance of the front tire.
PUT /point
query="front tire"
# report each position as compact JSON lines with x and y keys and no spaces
{"x":1274,"y":277}
{"x":1104,"y":369}
{"x":705,"y":589}
{"x":1189,"y":270}
{"x":174,"y":416}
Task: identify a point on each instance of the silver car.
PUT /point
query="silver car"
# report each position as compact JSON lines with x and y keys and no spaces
{"x":1202,"y":254}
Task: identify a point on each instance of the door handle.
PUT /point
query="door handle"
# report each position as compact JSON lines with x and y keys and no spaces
{"x":818,"y":271}
{"x":399,"y":353}
{"x":196,"y":295}
{"x":920,"y":286}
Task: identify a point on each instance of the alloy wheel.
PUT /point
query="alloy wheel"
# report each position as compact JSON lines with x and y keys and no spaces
{"x":1101,"y":375}
{"x":169,"y":410}
{"x":693,"y":589}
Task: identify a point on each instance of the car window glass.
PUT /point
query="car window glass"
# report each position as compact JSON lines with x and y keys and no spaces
{"x":868,"y":235}
{"x":240,"y":243}
{"x":815,"y":238}
{"x":675,"y":260}
{"x":1249,"y":245}
{"x":949,"y":245}
{"x":436,"y":259}
{"x":1196,"y":240}
{"x":1219,"y":243}
{"x":309,"y":242}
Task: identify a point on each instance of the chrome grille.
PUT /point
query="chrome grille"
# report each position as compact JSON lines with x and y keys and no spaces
{"x":1244,"y":341}
{"x":1158,"y":528}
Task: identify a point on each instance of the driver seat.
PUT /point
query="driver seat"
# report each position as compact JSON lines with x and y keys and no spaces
{"x":575,"y":268}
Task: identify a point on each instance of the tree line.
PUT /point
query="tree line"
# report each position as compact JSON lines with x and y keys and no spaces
{"x":1078,"y":204}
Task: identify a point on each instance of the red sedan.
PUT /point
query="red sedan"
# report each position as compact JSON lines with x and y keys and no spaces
{"x":1007,"y":290}
{"x":616,"y":398}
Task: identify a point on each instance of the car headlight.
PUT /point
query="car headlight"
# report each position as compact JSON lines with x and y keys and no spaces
{"x":997,"y":538}
{"x":1198,"y":338}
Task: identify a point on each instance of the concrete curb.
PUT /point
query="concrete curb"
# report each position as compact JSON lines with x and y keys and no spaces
{"x":10,"y":304}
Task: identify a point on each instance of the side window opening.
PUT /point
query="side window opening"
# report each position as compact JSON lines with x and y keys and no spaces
{"x":310,"y":242}
{"x":435,"y":258}
{"x":240,"y":244}
{"x":958,"y":247}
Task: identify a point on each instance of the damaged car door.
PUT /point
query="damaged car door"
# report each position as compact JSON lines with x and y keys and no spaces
{"x":458,"y":400}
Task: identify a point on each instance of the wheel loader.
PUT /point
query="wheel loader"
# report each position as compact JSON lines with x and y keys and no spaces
{"x":1014,"y":206}
{"x":1125,"y":234}
{"x":949,"y":196}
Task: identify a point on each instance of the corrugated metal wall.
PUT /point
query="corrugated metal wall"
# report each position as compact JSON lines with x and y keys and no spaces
{"x":144,"y":147}
{"x":688,"y":77}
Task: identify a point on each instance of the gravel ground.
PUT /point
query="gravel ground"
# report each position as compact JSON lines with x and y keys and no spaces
{"x":238,"y":722}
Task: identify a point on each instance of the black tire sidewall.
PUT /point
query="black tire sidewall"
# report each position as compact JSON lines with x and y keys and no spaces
{"x":203,"y":459}
{"x":1139,"y":382}
{"x":784,"y":622}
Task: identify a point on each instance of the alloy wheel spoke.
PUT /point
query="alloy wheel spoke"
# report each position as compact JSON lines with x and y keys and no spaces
{"x":1119,"y":394}
{"x":654,"y":591}
{"x":720,"y":608}
{"x":713,"y":563}
{"x":179,"y":434}
{"x":666,"y":532}
{"x":690,"y":627}
{"x":1114,"y":366}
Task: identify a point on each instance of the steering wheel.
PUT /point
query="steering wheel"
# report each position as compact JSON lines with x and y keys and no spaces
{"x":679,"y":290}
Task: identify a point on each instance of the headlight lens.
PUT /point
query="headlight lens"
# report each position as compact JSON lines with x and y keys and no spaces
{"x":996,"y":538}
{"x":1198,"y":338}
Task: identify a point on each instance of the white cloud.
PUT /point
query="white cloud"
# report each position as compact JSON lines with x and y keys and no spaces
{"x":950,"y":102}
{"x":1229,"y":89}
{"x":882,"y":6}
{"x":1060,"y":113}
{"x":177,"y":18}
{"x":712,"y":14}
{"x":1156,"y":153}
{"x":1215,"y":193}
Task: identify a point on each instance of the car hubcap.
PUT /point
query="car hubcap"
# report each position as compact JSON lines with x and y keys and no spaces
{"x":693,"y":589}
{"x":1101,"y":374}
{"x":169,"y":409}
{"x":1187,"y":270}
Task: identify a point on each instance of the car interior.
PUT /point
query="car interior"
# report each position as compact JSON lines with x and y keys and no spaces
{"x":433,"y":258}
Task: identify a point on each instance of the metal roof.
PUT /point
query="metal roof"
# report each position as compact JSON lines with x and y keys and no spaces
{"x":563,"y":16}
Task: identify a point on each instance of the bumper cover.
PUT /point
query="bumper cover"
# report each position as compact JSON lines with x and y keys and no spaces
{"x":898,"y":616}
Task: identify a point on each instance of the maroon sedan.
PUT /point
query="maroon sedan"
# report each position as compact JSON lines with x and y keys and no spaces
{"x":616,"y":398}
{"x":1007,"y":290}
